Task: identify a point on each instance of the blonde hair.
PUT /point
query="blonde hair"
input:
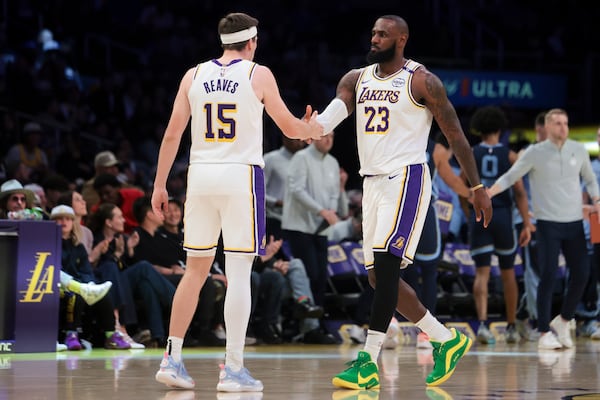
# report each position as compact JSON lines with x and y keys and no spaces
{"x":76,"y":233}
{"x":553,"y":112}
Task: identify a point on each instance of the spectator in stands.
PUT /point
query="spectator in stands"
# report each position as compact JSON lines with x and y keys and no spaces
{"x":105,"y":162}
{"x":75,"y":200}
{"x":297,"y":287}
{"x":276,"y":170}
{"x":54,"y":185}
{"x":313,"y":201}
{"x":168,"y":258}
{"x":555,"y":167}
{"x":29,"y":152}
{"x":110,"y":190}
{"x":129,"y":279}
{"x":14,"y":197}
{"x":75,"y":263}
{"x":39,"y":194}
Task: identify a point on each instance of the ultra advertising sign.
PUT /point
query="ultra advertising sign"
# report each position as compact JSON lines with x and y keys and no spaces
{"x":472,"y":88}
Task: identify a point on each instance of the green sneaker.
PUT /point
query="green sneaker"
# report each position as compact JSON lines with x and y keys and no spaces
{"x":362,"y":374}
{"x":446,"y":356}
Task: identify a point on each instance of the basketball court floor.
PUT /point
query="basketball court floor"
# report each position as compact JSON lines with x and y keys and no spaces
{"x":300,"y":372}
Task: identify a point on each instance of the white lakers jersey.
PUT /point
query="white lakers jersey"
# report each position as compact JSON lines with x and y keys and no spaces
{"x":227,"y":117}
{"x":392,"y":127}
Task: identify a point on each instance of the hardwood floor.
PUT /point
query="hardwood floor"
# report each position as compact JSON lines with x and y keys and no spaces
{"x":294,"y":372}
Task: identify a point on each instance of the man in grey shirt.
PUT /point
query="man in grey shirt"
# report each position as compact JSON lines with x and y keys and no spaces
{"x":313,"y":201}
{"x":276,"y":169}
{"x":555,"y":167}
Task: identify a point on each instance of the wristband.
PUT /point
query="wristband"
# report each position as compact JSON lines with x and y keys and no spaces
{"x":476,"y":187}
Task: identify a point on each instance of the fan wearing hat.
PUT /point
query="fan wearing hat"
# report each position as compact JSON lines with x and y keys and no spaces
{"x":105,"y":162}
{"x":14,"y":197}
{"x":76,"y":266}
{"x":28,"y":151}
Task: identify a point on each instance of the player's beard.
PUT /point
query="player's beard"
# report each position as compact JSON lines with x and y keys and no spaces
{"x":381,"y":56}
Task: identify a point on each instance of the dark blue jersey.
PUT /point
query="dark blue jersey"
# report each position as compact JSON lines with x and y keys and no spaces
{"x":492,"y":162}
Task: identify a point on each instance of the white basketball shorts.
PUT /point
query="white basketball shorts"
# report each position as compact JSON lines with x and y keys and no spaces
{"x":394,"y":211}
{"x":228,"y":198}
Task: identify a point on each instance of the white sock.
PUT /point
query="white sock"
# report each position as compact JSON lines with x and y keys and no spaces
{"x":238,"y":300}
{"x":373,"y":343}
{"x":174,"y":345}
{"x":434,"y":328}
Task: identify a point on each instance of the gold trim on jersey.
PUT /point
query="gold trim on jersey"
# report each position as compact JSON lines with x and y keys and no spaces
{"x":196,"y":72}
{"x":199,"y":248}
{"x":359,"y":80}
{"x":411,"y":72}
{"x":251,"y":72}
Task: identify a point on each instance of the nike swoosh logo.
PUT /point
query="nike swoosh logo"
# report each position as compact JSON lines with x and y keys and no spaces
{"x":365,"y":81}
{"x":364,"y":381}
{"x":392,"y":176}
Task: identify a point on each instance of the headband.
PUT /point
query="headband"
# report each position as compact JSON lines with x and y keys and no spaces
{"x":239,"y":36}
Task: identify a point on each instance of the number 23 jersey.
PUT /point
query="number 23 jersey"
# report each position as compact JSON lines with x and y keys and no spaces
{"x":392,"y":127}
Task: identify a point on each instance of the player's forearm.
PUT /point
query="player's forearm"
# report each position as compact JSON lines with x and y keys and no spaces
{"x":166,"y":157}
{"x":464,"y":154}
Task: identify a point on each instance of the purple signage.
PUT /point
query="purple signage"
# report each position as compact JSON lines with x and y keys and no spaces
{"x":38,"y":266}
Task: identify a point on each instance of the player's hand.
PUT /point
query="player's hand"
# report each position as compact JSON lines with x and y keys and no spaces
{"x":315,"y":131}
{"x":307,"y":113}
{"x":482,"y":205}
{"x":160,"y":201}
{"x":524,"y":236}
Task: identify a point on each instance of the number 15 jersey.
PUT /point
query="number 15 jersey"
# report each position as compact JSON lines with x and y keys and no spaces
{"x":227,"y":117}
{"x":392,"y":127}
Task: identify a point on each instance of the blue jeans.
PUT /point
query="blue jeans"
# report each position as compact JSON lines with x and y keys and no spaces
{"x":299,"y":285}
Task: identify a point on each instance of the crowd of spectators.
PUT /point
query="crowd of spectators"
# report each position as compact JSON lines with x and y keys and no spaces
{"x":102,"y":75}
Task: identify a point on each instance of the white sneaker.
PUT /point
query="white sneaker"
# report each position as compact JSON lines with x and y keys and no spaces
{"x":423,"y":341}
{"x":357,"y":334}
{"x":391,"y":336}
{"x":548,"y":341}
{"x":595,"y":335}
{"x":220,"y":332}
{"x":61,"y":347}
{"x":240,"y":381}
{"x":563,"y":331}
{"x":92,"y":293}
{"x":134,"y":345}
{"x":485,"y":336}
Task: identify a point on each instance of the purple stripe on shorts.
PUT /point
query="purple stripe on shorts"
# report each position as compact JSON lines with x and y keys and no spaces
{"x":411,"y":193}
{"x":260,"y":228}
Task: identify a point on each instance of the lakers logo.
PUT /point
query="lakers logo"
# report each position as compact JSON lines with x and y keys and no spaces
{"x":40,"y":282}
{"x":263,"y":242}
{"x":399,"y":243}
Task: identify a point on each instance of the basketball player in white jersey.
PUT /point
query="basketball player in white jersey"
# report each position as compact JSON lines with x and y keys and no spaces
{"x":225,"y":98}
{"x":395,"y":100}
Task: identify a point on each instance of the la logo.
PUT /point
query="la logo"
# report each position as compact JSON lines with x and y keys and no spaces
{"x":40,"y":282}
